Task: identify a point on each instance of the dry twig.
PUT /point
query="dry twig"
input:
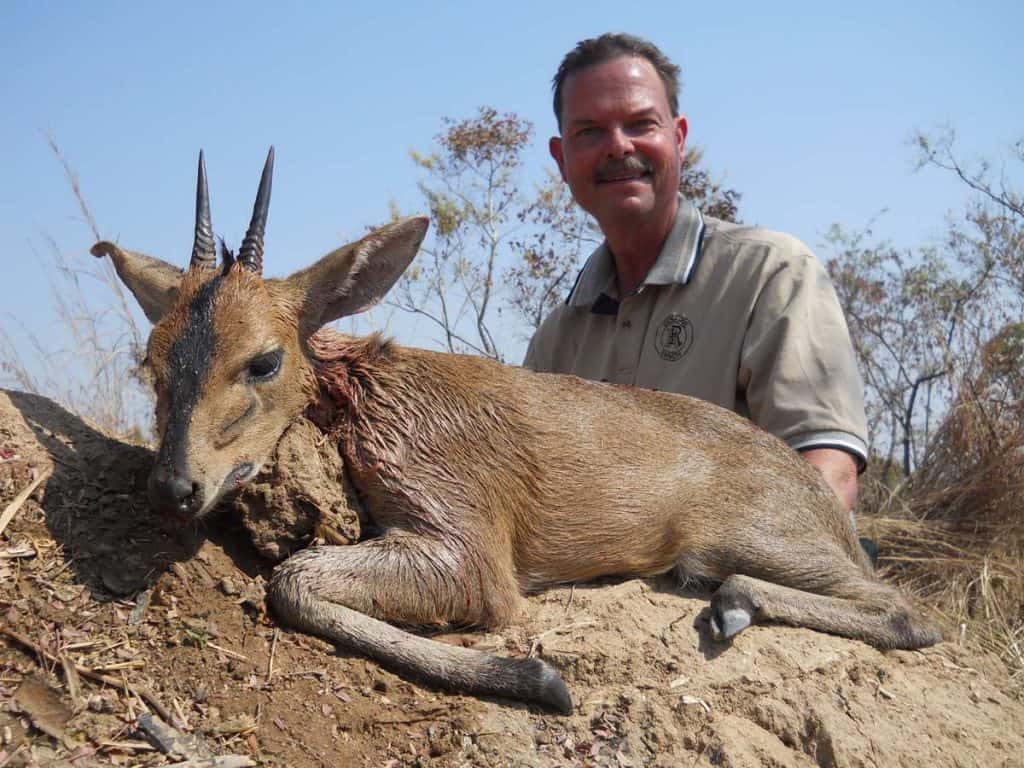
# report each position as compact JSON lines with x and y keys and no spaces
{"x":273,"y":653}
{"x":536,"y":641}
{"x":15,"y":505}
{"x":113,"y":682}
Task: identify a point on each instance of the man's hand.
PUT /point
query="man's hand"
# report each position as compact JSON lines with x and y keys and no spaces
{"x":839,"y":469}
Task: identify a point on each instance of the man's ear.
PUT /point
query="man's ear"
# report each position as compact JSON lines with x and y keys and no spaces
{"x":355,"y":277}
{"x":681,"y":128}
{"x":555,"y":148}
{"x":153,"y":283}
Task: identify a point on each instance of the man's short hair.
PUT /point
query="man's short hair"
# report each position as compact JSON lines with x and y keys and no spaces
{"x":614,"y":45}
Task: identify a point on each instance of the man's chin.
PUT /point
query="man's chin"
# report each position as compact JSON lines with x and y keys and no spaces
{"x":618,"y":202}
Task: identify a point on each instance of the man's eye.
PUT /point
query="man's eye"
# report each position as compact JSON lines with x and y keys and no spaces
{"x":265,"y":366}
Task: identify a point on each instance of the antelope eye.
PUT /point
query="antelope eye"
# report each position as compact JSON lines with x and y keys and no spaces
{"x":264,"y":367}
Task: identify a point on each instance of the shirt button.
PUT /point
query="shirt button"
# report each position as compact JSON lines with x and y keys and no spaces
{"x":627,"y":324}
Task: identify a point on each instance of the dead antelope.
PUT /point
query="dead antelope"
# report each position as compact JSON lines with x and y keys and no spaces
{"x":486,"y":481}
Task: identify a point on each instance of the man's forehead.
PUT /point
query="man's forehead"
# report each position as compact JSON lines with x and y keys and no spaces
{"x":623,"y":79}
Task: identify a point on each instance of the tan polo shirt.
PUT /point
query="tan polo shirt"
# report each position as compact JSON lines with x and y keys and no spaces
{"x":741,"y":316}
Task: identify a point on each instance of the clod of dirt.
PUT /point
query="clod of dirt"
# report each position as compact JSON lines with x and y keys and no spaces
{"x":301,"y":494}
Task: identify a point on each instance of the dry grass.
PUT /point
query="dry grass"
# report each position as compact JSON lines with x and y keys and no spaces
{"x":95,"y":372}
{"x":954,"y":532}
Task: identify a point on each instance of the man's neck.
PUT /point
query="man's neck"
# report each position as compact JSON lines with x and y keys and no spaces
{"x":635,"y":247}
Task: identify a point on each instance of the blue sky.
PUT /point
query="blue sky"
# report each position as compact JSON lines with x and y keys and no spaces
{"x":804,"y":108}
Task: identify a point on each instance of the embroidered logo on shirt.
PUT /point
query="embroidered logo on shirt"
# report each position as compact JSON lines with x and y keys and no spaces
{"x":674,"y":338}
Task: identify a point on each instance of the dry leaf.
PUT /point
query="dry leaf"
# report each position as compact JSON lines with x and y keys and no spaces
{"x":44,"y":708}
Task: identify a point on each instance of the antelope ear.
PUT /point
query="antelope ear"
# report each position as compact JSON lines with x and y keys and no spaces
{"x":153,"y":282}
{"x":355,"y":277}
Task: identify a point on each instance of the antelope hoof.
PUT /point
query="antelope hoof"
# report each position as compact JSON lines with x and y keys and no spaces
{"x":732,"y":611}
{"x":725,"y":624}
{"x":552,"y":692}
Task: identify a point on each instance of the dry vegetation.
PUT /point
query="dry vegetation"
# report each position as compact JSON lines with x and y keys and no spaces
{"x":953,"y":531}
{"x":94,"y":369}
{"x":940,"y":336}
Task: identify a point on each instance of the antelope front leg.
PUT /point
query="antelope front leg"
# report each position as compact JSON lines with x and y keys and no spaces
{"x":406,"y":579}
{"x":342,"y":593}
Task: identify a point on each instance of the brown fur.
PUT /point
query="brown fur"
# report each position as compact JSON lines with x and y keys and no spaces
{"x":487,"y":481}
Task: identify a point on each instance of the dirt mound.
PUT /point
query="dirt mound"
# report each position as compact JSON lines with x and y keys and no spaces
{"x":92,"y":588}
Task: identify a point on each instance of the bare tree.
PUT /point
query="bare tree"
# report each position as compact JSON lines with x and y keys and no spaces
{"x":921,"y":319}
{"x":558,"y":236}
{"x":901,"y":315}
{"x":472,"y":190}
{"x":698,"y":185}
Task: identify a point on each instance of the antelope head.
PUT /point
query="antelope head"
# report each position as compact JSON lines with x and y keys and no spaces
{"x":228,"y":347}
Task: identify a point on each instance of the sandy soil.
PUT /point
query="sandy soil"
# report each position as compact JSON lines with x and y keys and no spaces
{"x":174,"y":619}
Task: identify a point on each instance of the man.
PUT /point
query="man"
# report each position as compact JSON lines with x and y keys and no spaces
{"x":673,"y":300}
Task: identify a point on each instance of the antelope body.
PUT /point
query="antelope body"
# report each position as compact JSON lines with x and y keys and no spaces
{"x":485,"y":480}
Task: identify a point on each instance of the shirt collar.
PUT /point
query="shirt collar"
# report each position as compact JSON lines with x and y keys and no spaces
{"x":674,"y":265}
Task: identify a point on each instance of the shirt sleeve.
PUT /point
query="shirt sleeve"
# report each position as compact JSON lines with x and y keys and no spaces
{"x":533,"y":352}
{"x":540,"y":352}
{"x":797,"y":365}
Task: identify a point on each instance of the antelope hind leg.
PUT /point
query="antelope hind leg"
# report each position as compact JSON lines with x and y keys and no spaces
{"x":868,"y":610}
{"x":347,"y":594}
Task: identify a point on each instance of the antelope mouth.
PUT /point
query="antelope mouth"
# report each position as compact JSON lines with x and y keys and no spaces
{"x":238,"y":477}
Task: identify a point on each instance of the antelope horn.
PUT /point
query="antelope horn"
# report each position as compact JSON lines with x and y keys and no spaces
{"x":251,"y":253}
{"x":204,"y":255}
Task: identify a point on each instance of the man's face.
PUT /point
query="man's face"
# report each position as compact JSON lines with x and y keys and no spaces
{"x":621,"y":149}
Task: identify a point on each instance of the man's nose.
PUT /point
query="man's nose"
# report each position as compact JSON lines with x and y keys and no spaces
{"x":620,"y":144}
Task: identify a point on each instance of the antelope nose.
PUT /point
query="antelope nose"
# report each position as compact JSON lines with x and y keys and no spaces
{"x":173,"y":493}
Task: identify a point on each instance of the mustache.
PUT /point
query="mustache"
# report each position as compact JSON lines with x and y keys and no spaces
{"x":627,"y":166}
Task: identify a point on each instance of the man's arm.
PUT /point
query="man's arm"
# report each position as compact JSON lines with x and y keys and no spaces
{"x":799,"y":370}
{"x":839,"y":469}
